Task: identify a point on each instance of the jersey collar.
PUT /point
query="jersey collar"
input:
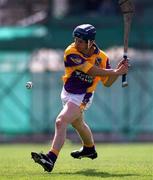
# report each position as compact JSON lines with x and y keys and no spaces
{"x":96,"y":51}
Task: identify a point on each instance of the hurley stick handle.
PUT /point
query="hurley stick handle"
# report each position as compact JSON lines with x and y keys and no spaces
{"x":124,"y":76}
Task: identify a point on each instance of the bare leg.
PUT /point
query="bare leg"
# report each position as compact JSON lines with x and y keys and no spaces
{"x":84,"y":131}
{"x":88,"y":148}
{"x":70,"y":113}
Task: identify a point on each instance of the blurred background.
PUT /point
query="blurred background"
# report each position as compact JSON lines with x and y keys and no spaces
{"x":33,"y":36}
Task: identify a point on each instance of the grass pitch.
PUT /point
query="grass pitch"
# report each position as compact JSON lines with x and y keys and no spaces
{"x":114,"y":162}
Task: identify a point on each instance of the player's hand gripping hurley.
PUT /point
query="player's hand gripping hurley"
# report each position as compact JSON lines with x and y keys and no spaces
{"x":127,"y":9}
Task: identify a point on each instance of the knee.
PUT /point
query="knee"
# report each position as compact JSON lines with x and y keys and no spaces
{"x":60,"y":122}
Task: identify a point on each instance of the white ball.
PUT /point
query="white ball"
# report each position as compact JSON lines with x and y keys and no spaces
{"x":29,"y":85}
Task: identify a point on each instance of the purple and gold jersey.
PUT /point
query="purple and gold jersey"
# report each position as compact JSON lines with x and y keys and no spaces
{"x":76,"y":80}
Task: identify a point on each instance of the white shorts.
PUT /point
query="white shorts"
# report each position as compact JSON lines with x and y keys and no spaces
{"x":74,"y":98}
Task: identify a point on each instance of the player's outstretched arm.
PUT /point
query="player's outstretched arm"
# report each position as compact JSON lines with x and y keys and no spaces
{"x":96,"y":71}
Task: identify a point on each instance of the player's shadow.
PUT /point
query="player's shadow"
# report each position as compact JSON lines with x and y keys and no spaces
{"x":93,"y":172}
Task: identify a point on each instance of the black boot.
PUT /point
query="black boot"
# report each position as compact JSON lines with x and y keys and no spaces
{"x":43,"y":160}
{"x":84,"y":152}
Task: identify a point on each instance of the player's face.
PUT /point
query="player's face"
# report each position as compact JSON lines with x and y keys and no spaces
{"x":80,"y":44}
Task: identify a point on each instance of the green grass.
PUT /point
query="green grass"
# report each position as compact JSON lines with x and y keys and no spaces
{"x":115,"y":161}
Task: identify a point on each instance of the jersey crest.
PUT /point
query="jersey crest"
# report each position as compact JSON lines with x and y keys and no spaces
{"x":73,"y":60}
